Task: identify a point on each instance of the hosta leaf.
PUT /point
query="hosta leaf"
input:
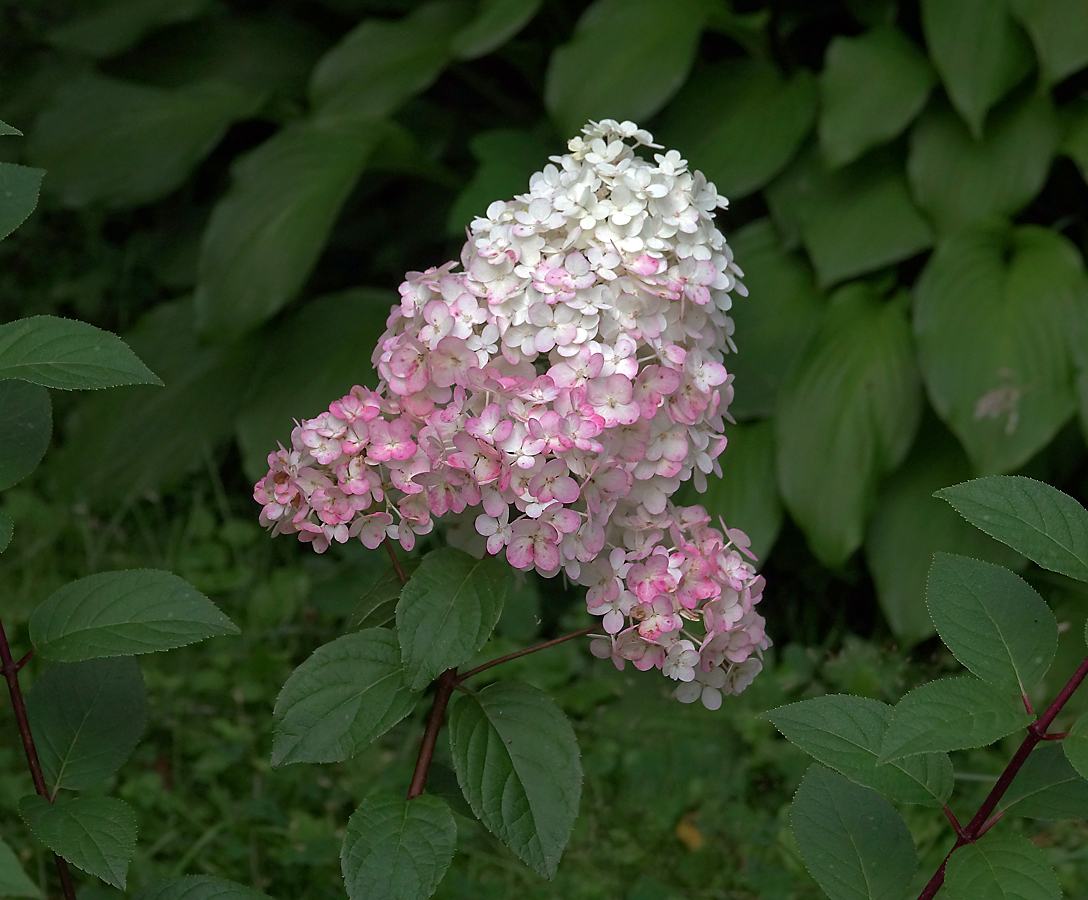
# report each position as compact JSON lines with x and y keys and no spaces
{"x":87,"y":718}
{"x":109,"y":28}
{"x":378,"y":604}
{"x":95,"y":834}
{"x":993,"y":621}
{"x":518,"y":765}
{"x":1047,"y":787}
{"x":496,"y":22}
{"x":978,"y":51}
{"x":993,"y":311}
{"x":397,"y":849}
{"x":199,"y":887}
{"x":958,"y":180}
{"x":19,"y":186}
{"x":951,"y":713}
{"x":871,"y":87}
{"x":1076,"y":746}
{"x":1059,"y":31}
{"x":852,"y":840}
{"x":13,"y":880}
{"x":829,"y":466}
{"x":26,"y":419}
{"x":1000,"y":864}
{"x":340,"y":699}
{"x":626,"y":60}
{"x":122,"y":614}
{"x":69,"y":355}
{"x":740,"y":122}
{"x":845,"y":732}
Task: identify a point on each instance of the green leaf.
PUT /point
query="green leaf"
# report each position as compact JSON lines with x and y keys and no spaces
{"x":495,"y":23}
{"x":993,"y":621}
{"x":829,"y":465}
{"x":123,"y":614}
{"x":958,"y":180}
{"x":13,"y":880}
{"x":379,"y":65}
{"x":1075,"y":746}
{"x":978,"y":51}
{"x":26,"y":420}
{"x":774,"y":323}
{"x":69,"y":355}
{"x":378,"y":604}
{"x":116,"y":143}
{"x":992,"y":315}
{"x":448,"y":610}
{"x":853,"y":842}
{"x":845,"y":732}
{"x":1059,"y":31}
{"x":909,"y":524}
{"x":19,"y":186}
{"x":1075,"y":140}
{"x":199,"y":887}
{"x":626,"y":60}
{"x":1000,"y":864}
{"x":340,"y":699}
{"x":266,"y":234}
{"x":518,"y":765}
{"x":6,"y":129}
{"x":7,"y":529}
{"x":952,"y":713}
{"x":397,"y":849}
{"x":87,"y":718}
{"x":95,"y":834}
{"x":871,"y":88}
{"x":442,"y":783}
{"x":114,"y":27}
{"x":1047,"y":787}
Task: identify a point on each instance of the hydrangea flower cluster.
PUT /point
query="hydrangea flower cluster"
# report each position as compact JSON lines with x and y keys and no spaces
{"x":555,"y":391}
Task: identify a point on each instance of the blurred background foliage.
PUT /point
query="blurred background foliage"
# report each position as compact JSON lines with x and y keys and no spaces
{"x":238,"y":186}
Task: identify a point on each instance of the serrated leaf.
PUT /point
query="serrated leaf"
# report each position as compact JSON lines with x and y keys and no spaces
{"x":993,"y":621}
{"x":871,"y":88}
{"x":496,"y":22}
{"x":26,"y":419}
{"x":95,"y":834}
{"x":108,"y":29}
{"x":378,"y":604}
{"x":123,"y":614}
{"x":19,"y":186}
{"x":397,"y":849}
{"x":199,"y":887}
{"x":1047,"y":787}
{"x":14,"y":882}
{"x":829,"y":466}
{"x":6,"y":129}
{"x":1059,"y":31}
{"x":518,"y":765}
{"x":345,"y":695}
{"x":844,"y":732}
{"x":952,"y":713}
{"x":87,"y":718}
{"x":853,"y":842}
{"x":448,"y":610}
{"x":958,"y":180}
{"x":978,"y":51}
{"x":1000,"y":864}
{"x":993,"y":311}
{"x":626,"y":60}
{"x":740,"y":122}
{"x":265,"y":235}
{"x":68,"y":355}
{"x":7,"y":529}
{"x":1075,"y":745}
{"x":1035,"y":519}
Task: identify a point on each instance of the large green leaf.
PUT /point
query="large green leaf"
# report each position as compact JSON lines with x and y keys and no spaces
{"x":69,"y":355}
{"x":845,"y":732}
{"x":871,"y":87}
{"x":95,"y":834}
{"x":831,"y":457}
{"x":1000,"y":865}
{"x":993,"y":621}
{"x":109,"y":28}
{"x":13,"y":880}
{"x":1075,"y":140}
{"x":87,"y":718}
{"x":1059,"y":31}
{"x":117,"y":143}
{"x":1047,"y":787}
{"x":26,"y":420}
{"x":979,"y":52}
{"x":852,"y":840}
{"x":266,"y":234}
{"x":518,"y":765}
{"x":993,"y":312}
{"x":397,"y":849}
{"x":7,"y":529}
{"x":447,"y":611}
{"x":626,"y":60}
{"x":199,"y":887}
{"x":496,"y":22}
{"x":123,"y":614}
{"x":345,"y":695}
{"x":377,"y":605}
{"x":952,"y":713}
{"x":958,"y":180}
{"x":19,"y":187}
{"x":1075,"y":746}
{"x":740,"y":122}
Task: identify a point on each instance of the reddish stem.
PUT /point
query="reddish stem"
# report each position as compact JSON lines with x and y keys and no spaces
{"x":396,"y":562}
{"x":526,"y":652}
{"x":446,"y":682}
